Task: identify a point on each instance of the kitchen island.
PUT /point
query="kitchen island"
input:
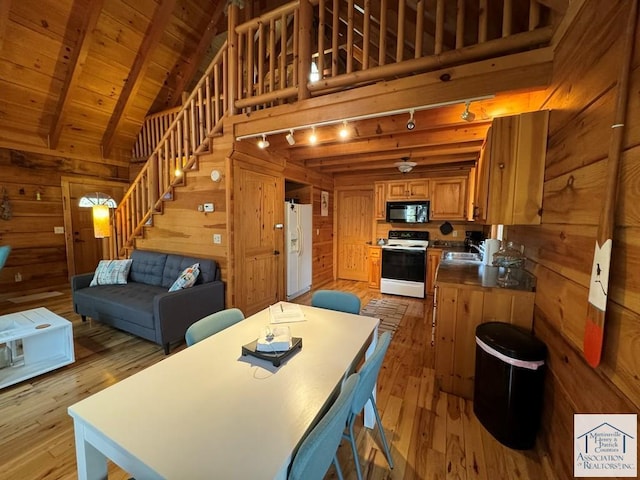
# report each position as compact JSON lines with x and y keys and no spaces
{"x":467,"y":295}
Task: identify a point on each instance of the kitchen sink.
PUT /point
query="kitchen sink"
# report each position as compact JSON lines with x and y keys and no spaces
{"x":462,"y":256}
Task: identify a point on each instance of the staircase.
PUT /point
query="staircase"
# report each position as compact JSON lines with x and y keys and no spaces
{"x":266,"y":62}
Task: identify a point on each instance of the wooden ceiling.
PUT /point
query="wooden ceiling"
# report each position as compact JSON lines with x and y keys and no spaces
{"x":441,"y":139}
{"x":79,"y":77}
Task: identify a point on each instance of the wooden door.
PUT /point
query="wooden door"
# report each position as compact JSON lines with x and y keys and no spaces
{"x":84,"y":251}
{"x":355,"y":211}
{"x":259,"y":264}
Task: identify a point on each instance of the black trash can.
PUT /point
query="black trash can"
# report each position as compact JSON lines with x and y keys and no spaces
{"x":509,"y":377}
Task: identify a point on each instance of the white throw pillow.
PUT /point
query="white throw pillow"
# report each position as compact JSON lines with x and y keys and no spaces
{"x":111,"y":272}
{"x":187,"y":278}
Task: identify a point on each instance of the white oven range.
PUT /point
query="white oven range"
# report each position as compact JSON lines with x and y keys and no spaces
{"x":404,"y":263}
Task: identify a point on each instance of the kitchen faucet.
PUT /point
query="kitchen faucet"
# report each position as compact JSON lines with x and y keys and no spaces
{"x":480,"y":248}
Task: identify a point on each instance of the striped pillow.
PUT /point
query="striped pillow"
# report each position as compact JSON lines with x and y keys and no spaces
{"x":187,"y":278}
{"x":111,"y":272}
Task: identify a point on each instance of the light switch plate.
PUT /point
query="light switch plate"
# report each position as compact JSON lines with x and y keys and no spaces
{"x":58,"y":230}
{"x":208,"y":207}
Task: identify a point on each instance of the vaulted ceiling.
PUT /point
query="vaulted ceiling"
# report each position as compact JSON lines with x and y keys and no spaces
{"x":79,"y":77}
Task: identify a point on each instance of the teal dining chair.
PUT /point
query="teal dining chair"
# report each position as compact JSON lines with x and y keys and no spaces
{"x":364,"y":392}
{"x":319,"y":449}
{"x":4,"y":254}
{"x":336,"y":300}
{"x":212,"y":324}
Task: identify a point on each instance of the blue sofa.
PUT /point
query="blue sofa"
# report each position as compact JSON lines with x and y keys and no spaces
{"x":144,"y":306}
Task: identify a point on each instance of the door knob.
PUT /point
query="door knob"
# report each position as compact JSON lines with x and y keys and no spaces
{"x":276,"y":252}
{"x":279,"y":226}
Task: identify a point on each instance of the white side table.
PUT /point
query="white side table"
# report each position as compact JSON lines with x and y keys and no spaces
{"x":39,"y":340}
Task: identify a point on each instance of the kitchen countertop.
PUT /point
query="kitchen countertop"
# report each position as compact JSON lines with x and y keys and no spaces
{"x":475,"y":274}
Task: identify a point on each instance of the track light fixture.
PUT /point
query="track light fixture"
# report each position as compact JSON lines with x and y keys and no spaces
{"x":468,"y":116}
{"x":290,"y":139}
{"x":344,"y":130}
{"x":313,"y":138}
{"x":263,"y":143}
{"x":411,"y":124}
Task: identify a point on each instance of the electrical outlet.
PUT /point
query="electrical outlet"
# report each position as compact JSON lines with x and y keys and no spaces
{"x":18,"y":277}
{"x":455,"y":233}
{"x":58,"y":230}
{"x":217,"y":238}
{"x":208,"y":207}
{"x":201,"y":208}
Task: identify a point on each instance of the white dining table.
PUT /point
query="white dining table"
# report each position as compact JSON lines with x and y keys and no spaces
{"x":208,"y":412}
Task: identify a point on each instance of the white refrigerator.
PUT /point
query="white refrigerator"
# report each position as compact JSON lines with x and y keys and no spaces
{"x":298,"y":230}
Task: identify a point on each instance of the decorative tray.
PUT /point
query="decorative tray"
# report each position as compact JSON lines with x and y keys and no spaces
{"x":276,"y":358}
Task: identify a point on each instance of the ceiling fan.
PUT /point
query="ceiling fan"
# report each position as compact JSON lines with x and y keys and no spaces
{"x":405,"y":166}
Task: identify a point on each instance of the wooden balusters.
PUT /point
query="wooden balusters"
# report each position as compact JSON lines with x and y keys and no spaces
{"x":460,"y":24}
{"x":439,"y":37}
{"x":419,"y":29}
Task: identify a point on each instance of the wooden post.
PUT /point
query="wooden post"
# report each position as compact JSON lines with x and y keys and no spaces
{"x":232,"y":71}
{"x":419,"y":28}
{"x":460,"y":25}
{"x":304,"y":52}
{"x":350,"y":36}
{"x":334,"y":37}
{"x":439,"y":27}
{"x":507,"y":15}
{"x":382,"y":53}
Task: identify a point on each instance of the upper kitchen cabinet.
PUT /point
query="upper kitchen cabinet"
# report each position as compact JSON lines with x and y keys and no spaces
{"x":408,"y":190}
{"x":380,"y":195}
{"x":448,"y":198}
{"x":510,"y":172}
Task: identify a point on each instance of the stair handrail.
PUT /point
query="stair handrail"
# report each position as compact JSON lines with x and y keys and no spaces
{"x":199,"y":119}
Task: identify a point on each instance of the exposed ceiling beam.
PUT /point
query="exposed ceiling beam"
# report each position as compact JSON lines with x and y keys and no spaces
{"x":183,"y":73}
{"x":156,"y":27}
{"x":76,"y":64}
{"x":441,"y":160}
{"x":394,"y":142}
{"x":468,"y":149}
{"x":5,"y":6}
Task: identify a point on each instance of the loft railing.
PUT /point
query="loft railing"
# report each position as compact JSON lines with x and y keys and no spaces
{"x":175,"y":152}
{"x":268,"y":60}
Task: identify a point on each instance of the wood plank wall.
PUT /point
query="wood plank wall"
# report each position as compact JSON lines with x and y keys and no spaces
{"x":582,"y":100}
{"x":381,"y":229}
{"x":39,"y":255}
{"x":185,"y":230}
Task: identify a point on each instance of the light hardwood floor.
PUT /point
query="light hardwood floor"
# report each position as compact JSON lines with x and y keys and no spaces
{"x":433,"y":435}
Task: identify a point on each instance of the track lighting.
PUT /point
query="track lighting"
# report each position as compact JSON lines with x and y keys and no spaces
{"x":411,"y":124}
{"x":290,"y":139}
{"x":344,"y":131}
{"x":264,"y":143}
{"x":468,"y":116}
{"x":313,"y":138}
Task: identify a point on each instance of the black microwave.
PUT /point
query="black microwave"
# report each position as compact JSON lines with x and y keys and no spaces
{"x":408,"y":212}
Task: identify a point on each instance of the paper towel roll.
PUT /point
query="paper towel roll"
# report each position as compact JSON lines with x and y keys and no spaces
{"x":491,"y":246}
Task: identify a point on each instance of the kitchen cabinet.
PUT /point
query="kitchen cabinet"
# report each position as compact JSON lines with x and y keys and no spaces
{"x":460,"y":309}
{"x":449,"y":198}
{"x":380,"y":199}
{"x":375,"y":267}
{"x":408,"y":190}
{"x":433,"y":260}
{"x":510,"y":172}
